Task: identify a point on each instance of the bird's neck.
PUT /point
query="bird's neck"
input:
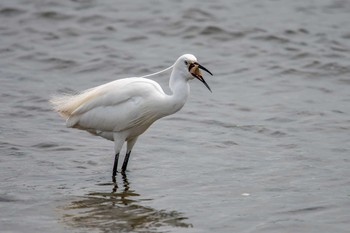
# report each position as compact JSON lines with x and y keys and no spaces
{"x":180,"y":89}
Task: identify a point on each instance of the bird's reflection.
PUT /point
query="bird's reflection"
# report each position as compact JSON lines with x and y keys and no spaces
{"x":121,"y":210}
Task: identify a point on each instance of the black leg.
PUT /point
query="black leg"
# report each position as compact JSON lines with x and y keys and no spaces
{"x":125,"y":163}
{"x":115,"y":165}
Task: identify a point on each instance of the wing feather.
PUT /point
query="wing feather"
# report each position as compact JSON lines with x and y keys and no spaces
{"x":114,"y":106}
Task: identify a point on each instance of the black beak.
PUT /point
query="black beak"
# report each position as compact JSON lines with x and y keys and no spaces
{"x":203,"y":68}
{"x":200,"y":77}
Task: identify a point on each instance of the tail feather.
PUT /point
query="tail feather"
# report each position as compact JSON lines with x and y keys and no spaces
{"x":66,"y":104}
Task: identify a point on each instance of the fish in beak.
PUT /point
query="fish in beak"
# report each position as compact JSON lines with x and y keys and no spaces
{"x":193,"y":68}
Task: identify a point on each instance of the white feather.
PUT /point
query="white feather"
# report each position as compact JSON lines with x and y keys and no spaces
{"x":123,"y":109}
{"x":114,"y":106}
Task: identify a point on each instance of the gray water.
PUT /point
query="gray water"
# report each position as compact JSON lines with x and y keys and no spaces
{"x":267,"y":151}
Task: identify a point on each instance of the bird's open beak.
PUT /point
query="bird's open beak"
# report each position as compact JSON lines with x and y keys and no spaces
{"x":194,"y":70}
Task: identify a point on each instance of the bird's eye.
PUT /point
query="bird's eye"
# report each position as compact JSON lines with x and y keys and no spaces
{"x":186,"y":63}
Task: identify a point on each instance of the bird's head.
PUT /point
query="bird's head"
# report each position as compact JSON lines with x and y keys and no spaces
{"x":189,"y":64}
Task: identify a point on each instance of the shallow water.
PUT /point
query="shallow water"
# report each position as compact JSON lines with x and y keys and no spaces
{"x":267,"y":151}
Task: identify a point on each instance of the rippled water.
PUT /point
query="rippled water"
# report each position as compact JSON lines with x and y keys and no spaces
{"x":267,"y":151}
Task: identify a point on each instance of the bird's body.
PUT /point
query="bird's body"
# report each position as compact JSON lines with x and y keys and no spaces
{"x":117,"y":106}
{"x":123,"y":109}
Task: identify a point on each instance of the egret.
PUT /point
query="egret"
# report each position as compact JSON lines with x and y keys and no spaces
{"x":123,"y":109}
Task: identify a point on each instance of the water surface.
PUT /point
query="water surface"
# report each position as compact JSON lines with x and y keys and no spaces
{"x":267,"y":151}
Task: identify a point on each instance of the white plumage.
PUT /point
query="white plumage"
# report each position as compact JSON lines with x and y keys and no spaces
{"x":123,"y":109}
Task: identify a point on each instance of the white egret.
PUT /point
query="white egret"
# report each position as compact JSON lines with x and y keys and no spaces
{"x":123,"y":109}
